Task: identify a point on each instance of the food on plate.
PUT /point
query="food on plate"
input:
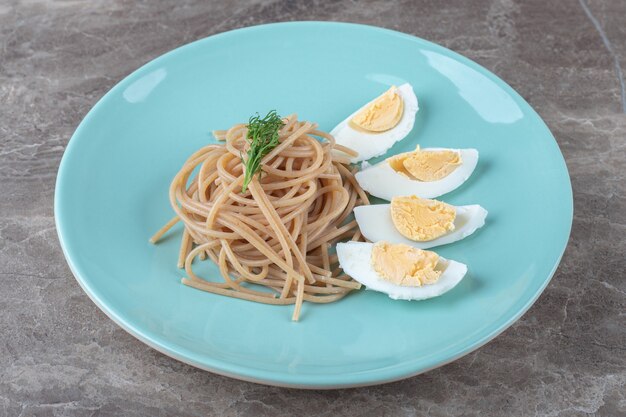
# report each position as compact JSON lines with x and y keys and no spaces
{"x":419,"y":222}
{"x":421,"y":219}
{"x":375,"y":127}
{"x":404,"y":265}
{"x":401,"y":271}
{"x":426,"y":166}
{"x":391,"y":178}
{"x":266,"y":206}
{"x":382,"y":114}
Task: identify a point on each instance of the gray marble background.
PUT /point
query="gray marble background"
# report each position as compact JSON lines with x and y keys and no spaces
{"x":59,"y":355}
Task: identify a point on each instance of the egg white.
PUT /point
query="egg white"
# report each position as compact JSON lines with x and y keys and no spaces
{"x":354,"y":258}
{"x":376,"y":224}
{"x":382,"y":181}
{"x":369,"y":145}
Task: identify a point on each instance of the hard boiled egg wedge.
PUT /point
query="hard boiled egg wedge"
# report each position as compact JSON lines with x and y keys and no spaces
{"x":420,"y":223}
{"x":428,"y":173}
{"x":394,"y":272}
{"x":379,"y":124}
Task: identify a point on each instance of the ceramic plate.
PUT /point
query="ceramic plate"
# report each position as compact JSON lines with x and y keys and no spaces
{"x":112,"y":195}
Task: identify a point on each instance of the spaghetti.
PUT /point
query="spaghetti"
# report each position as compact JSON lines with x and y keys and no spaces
{"x":278,"y":233}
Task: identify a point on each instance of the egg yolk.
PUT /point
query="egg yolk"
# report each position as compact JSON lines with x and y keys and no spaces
{"x":426,"y":165}
{"x":421,"y":219}
{"x":380,"y":115}
{"x":405,"y":265}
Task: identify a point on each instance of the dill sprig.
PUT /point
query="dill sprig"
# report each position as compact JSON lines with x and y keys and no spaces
{"x":263,"y":137}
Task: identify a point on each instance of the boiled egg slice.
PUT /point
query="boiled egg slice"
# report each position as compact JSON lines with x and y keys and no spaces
{"x":400,"y":271}
{"x":379,"y":124}
{"x":429,"y":173}
{"x":421,"y":223}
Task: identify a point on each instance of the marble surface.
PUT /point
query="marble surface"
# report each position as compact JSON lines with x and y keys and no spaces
{"x":59,"y":355}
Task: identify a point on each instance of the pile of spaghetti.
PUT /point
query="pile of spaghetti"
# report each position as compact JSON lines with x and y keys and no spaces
{"x":275,"y":231}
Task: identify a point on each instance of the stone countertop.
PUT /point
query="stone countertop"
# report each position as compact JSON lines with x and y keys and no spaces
{"x":60,"y":355}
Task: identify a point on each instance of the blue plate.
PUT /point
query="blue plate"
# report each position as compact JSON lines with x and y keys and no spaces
{"x":112,"y":195}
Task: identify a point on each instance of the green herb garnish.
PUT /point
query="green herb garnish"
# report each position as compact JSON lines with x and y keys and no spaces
{"x":263,"y":137}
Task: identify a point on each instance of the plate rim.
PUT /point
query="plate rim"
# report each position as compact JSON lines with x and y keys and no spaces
{"x":245,"y":373}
